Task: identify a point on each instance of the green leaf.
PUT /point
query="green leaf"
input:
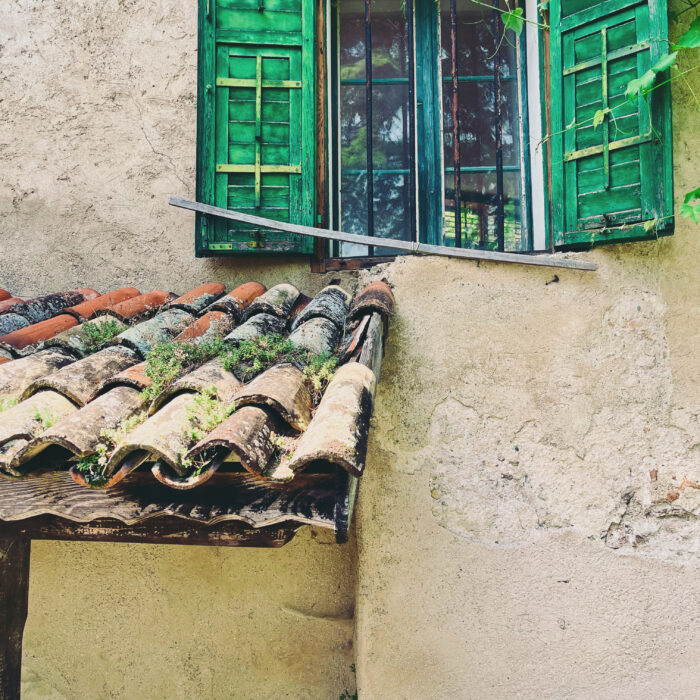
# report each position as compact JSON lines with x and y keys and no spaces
{"x":640,"y":86}
{"x":599,"y":116}
{"x":651,"y":225}
{"x":691,"y":212}
{"x":513,"y":19}
{"x":665,"y":62}
{"x":691,"y":39}
{"x":693,"y":194}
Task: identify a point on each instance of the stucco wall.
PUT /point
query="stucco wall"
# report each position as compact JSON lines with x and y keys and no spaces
{"x":528,"y":523}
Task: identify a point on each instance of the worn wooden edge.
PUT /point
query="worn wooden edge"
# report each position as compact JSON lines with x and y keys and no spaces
{"x":542,"y":260}
{"x":162,"y":531}
{"x":14,"y":598}
{"x":106,"y":514}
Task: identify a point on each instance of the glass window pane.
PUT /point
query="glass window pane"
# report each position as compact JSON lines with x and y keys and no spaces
{"x":389,"y":129}
{"x":479,"y":207}
{"x":389,"y":40}
{"x":353,"y":207}
{"x":489,"y":128}
{"x":353,"y":127}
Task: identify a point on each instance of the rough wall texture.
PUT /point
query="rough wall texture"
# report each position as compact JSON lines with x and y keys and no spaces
{"x":528,"y":523}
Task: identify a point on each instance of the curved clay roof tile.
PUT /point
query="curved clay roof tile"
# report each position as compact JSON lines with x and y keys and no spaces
{"x":25,"y":339}
{"x":89,"y":308}
{"x":142,"y":305}
{"x":238,"y":299}
{"x":376,"y":296}
{"x":198,"y":298}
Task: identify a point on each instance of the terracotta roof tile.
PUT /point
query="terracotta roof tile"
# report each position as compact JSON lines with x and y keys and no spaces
{"x":210,"y":375}
{"x":7,"y":304}
{"x":163,"y":436}
{"x":81,"y":380}
{"x":31,"y":337}
{"x":376,"y":296}
{"x":17,"y":375}
{"x":239,"y":299}
{"x":247,"y":432}
{"x":331,"y":303}
{"x":142,"y":305}
{"x":199,"y":298}
{"x":134,"y":376}
{"x":277,"y":301}
{"x":282,"y":388}
{"x":90,"y":308}
{"x":213,"y":324}
{"x":80,"y":432}
{"x":339,"y":431}
{"x":254,"y":327}
{"x":11,"y":322}
{"x":318,"y":335}
{"x":27,"y":419}
{"x":162,"y":328}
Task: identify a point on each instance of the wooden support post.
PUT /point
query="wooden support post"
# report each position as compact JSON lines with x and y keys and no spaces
{"x":14,"y":595}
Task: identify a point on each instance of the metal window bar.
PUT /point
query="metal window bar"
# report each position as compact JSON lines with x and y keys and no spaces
{"x":411,"y":122}
{"x":457,"y":175}
{"x":500,"y":205}
{"x":368,"y":117}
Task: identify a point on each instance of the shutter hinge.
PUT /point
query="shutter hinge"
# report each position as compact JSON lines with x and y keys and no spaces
{"x":258,"y":239}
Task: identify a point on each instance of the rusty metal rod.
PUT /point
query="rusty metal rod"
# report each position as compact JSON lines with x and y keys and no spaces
{"x":394,"y":244}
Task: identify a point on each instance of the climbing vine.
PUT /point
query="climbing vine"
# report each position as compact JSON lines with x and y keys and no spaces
{"x":639,"y":88}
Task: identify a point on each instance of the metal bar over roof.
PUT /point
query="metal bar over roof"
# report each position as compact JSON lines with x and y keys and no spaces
{"x":542,"y":260}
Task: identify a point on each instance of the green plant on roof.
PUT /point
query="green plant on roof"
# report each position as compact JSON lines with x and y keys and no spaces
{"x":205,"y":412}
{"x":168,"y":361}
{"x":7,"y":403}
{"x":318,"y":372}
{"x":93,"y":466}
{"x":44,"y":417}
{"x":258,"y":354}
{"x":97,"y":334}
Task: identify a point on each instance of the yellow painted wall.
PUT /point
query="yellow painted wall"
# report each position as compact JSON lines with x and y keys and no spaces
{"x":557,"y":569}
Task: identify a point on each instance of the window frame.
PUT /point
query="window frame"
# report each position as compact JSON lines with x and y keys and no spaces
{"x":428,"y":130}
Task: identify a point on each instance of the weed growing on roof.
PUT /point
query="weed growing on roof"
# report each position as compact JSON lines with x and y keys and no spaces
{"x":7,"y":403}
{"x":44,"y":417}
{"x":92,"y":467}
{"x":318,"y":373}
{"x":97,"y":334}
{"x":168,"y":361}
{"x":258,"y":354}
{"x":205,"y":412}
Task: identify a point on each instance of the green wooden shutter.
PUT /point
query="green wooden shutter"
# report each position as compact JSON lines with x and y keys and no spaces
{"x":607,"y":181}
{"x":256,"y":122}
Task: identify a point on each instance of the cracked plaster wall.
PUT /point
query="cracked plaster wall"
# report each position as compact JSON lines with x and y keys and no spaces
{"x":528,"y":523}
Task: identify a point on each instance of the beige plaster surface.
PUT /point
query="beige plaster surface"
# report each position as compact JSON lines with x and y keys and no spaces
{"x":565,"y":568}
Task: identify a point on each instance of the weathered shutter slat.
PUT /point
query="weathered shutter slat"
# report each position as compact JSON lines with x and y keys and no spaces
{"x":609,"y":182}
{"x":257,"y":154}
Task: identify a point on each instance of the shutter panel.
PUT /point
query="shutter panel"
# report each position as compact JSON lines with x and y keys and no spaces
{"x":256,"y":128}
{"x":609,"y":180}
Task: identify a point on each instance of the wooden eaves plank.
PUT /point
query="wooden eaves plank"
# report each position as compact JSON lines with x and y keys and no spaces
{"x":542,"y":260}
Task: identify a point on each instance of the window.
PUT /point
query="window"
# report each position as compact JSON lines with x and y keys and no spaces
{"x":423,"y":120}
{"x":475,"y":97}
